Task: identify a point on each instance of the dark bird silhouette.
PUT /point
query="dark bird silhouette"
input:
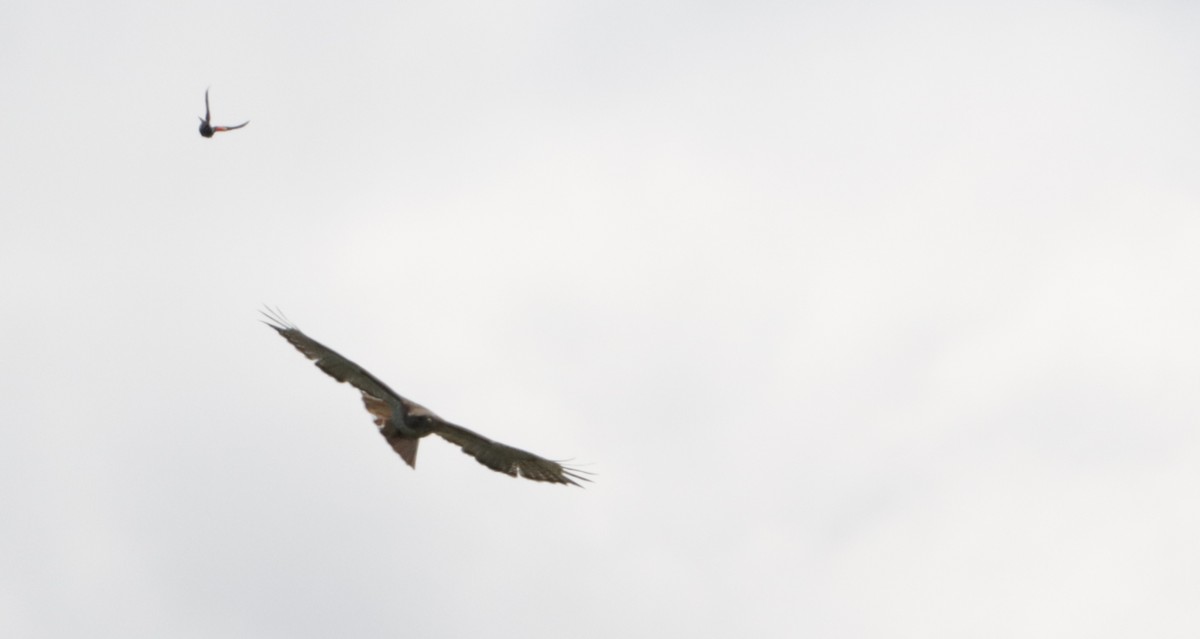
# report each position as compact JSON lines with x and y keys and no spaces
{"x":403,"y":422}
{"x":207,"y":129}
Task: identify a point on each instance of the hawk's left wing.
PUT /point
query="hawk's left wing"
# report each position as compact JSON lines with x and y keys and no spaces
{"x":506,"y":459}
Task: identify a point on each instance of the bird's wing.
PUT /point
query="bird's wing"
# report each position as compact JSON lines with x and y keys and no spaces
{"x":379,"y":400}
{"x":506,"y":459}
{"x":230,"y":128}
{"x":207,"y":116}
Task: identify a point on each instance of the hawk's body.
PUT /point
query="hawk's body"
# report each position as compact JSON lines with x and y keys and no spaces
{"x":403,"y":422}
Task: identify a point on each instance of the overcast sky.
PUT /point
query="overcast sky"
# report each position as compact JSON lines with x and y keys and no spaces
{"x":873,"y":319}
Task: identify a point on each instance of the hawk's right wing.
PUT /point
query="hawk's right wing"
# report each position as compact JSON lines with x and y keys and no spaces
{"x":379,"y":400}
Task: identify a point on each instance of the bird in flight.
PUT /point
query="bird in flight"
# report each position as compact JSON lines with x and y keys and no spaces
{"x":403,"y":422}
{"x":207,"y":129}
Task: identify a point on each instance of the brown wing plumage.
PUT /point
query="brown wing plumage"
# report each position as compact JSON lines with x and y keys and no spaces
{"x":506,"y":459}
{"x":379,"y":400}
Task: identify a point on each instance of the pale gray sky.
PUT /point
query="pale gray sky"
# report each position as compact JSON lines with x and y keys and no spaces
{"x":875,"y":320}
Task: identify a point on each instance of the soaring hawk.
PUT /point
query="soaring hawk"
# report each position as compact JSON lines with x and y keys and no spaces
{"x":403,"y":422}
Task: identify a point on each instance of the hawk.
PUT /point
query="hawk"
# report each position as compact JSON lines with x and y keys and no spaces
{"x":403,"y":422}
{"x":207,"y":129}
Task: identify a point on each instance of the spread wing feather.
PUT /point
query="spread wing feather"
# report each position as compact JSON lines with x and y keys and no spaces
{"x":506,"y":459}
{"x":339,"y":368}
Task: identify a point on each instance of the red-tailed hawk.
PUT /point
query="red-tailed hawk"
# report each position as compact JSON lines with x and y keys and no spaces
{"x":206,"y":127}
{"x":403,"y":422}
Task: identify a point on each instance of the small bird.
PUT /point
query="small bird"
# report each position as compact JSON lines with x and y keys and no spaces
{"x":207,"y":129}
{"x":403,"y":422}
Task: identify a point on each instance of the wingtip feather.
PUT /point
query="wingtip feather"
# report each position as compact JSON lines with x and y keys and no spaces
{"x":276,"y":319}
